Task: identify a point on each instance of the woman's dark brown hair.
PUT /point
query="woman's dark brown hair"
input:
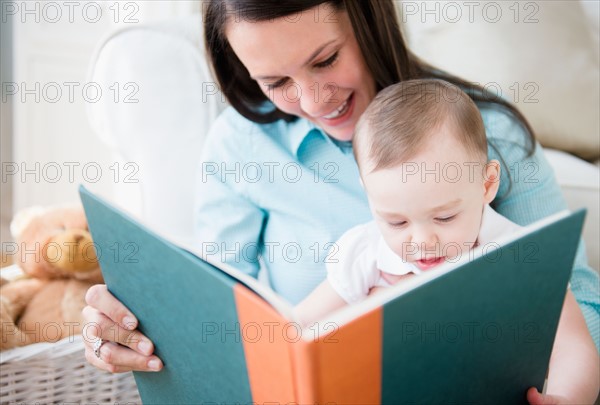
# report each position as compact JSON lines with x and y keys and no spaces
{"x":377,"y":32}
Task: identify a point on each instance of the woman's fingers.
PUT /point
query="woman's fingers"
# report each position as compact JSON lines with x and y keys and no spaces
{"x":123,"y":348}
{"x":535,"y":398}
{"x":115,"y":358}
{"x":100,"y":298}
{"x":99,"y":325}
{"x":95,"y":361}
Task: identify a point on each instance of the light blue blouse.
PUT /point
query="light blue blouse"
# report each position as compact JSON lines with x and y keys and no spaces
{"x":280,"y":194}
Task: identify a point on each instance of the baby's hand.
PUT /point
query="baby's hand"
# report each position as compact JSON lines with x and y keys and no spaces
{"x":376,"y":290}
{"x":393,"y":279}
{"x":535,"y":398}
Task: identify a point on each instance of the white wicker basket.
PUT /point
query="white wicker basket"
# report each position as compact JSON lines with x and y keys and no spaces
{"x":46,"y":373}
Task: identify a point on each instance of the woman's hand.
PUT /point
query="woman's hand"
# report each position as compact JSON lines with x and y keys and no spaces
{"x":535,"y":398}
{"x":125,"y":348}
{"x":574,"y":370}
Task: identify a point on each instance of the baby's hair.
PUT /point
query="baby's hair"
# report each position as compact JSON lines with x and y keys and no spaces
{"x":403,"y":117}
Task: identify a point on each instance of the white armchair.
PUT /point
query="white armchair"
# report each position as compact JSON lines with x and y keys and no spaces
{"x":164,"y":132}
{"x":162,"y":129}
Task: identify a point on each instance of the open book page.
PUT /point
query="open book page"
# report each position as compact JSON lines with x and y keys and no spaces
{"x":266,"y":292}
{"x":351,"y":312}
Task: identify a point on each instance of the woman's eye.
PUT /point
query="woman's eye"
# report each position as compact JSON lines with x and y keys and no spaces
{"x":327,"y":62}
{"x":276,"y":84}
{"x":446,"y":219}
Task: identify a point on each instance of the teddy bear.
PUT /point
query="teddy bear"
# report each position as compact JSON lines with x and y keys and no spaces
{"x":59,"y":263}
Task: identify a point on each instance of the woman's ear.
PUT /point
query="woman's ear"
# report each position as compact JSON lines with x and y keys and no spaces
{"x":491,"y":180}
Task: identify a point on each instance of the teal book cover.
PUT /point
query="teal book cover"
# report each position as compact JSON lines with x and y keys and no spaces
{"x":479,"y":332}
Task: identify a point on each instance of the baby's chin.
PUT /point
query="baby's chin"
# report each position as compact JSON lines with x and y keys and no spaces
{"x":429,"y":263}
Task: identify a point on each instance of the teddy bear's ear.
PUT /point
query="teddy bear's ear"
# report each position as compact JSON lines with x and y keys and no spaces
{"x":23,"y":218}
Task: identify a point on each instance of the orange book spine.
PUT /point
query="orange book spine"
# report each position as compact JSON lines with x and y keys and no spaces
{"x":342,"y":367}
{"x":266,"y":348}
{"x":305,"y":373}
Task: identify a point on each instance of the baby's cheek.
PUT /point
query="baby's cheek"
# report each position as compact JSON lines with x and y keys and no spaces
{"x":459,"y":241}
{"x":395,"y":242}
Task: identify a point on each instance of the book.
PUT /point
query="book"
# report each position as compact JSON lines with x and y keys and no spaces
{"x":478,"y":330}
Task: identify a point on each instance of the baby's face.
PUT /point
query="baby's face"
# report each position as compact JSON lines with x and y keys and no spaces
{"x":429,"y":209}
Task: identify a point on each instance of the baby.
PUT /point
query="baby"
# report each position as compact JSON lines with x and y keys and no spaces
{"x":421,"y":150}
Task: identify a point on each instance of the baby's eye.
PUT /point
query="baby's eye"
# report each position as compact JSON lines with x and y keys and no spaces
{"x":397,"y":224}
{"x":446,"y":219}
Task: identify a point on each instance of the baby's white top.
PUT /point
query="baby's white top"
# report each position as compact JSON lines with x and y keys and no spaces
{"x":362,"y":255}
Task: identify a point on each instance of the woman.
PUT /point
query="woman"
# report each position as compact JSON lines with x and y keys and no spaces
{"x":298,"y":75}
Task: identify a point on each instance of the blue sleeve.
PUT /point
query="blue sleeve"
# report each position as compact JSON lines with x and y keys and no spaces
{"x":228,"y":225}
{"x":528,"y":192}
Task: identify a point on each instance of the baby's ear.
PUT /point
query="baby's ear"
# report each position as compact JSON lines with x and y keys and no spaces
{"x":491,"y":180}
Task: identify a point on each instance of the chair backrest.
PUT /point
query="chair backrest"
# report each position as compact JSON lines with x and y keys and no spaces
{"x":163,"y":101}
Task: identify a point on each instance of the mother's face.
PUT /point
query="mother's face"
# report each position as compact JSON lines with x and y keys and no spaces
{"x":309,"y":65}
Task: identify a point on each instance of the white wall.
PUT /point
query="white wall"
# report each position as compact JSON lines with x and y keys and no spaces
{"x":52,"y":149}
{"x":5,"y":125}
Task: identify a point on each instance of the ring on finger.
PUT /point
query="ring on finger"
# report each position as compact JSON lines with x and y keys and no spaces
{"x":98,"y":345}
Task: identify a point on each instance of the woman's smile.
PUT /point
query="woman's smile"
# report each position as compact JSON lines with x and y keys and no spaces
{"x":314,"y":68}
